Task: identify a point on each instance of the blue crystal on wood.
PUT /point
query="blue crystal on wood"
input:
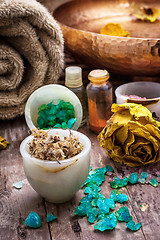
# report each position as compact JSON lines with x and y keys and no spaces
{"x":50,"y":217}
{"x":154,"y":182}
{"x":123,"y":214}
{"x":33,"y":220}
{"x":107,"y":223}
{"x":132,"y":226}
{"x":133,"y":178}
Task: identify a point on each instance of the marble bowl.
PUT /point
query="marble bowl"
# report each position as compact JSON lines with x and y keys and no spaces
{"x":56,"y":182}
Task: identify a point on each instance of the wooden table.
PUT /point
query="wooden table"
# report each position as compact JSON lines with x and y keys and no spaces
{"x":15,"y":205}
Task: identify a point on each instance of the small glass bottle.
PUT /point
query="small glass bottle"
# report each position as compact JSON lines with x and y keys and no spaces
{"x":100,"y":99}
{"x":73,"y":81}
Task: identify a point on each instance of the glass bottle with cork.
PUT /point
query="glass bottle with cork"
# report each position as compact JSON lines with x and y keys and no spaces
{"x":73,"y":81}
{"x":100,"y":99}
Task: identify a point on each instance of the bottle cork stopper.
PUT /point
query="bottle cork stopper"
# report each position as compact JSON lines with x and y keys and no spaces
{"x":73,"y":77}
{"x":98,"y":75}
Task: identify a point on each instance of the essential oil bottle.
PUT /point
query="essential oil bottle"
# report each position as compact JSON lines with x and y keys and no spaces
{"x":100,"y":99}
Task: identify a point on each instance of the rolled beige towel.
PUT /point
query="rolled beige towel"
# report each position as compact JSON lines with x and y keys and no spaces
{"x":31,"y":53}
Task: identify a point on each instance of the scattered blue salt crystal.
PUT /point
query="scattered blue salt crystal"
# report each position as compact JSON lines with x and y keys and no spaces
{"x":107,"y":223}
{"x":96,"y":198}
{"x":86,"y":199}
{"x":114,"y":194}
{"x":18,"y":185}
{"x":117,"y":182}
{"x":83,"y":208}
{"x":123,"y":214}
{"x":142,"y":180}
{"x":92,"y":214}
{"x":92,"y":188}
{"x":109,"y":168}
{"x":153,"y":182}
{"x":132,"y":226}
{"x":101,"y":170}
{"x":50,"y":217}
{"x":144,"y":175}
{"x":133,"y":178}
{"x":33,"y":220}
{"x":95,"y":177}
{"x":121,"y":198}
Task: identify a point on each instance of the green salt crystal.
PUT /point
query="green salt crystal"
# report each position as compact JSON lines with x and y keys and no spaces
{"x":64,"y":125}
{"x":50,"y":105}
{"x":154,"y":182}
{"x":58,"y":125}
{"x":107,"y":223}
{"x":42,"y":107}
{"x":132,"y":226}
{"x":133,"y":178}
{"x":51,"y":118}
{"x":123,"y":214}
{"x":62,"y":116}
{"x":71,"y":121}
{"x":33,"y":220}
{"x":40,"y":122}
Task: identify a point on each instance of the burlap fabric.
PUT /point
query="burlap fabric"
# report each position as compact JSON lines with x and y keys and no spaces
{"x":31,"y":53}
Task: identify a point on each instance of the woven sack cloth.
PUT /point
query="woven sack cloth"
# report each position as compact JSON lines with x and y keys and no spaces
{"x":31,"y":53}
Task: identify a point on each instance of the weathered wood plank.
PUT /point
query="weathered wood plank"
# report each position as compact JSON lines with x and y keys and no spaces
{"x":150,"y":218}
{"x":15,"y":204}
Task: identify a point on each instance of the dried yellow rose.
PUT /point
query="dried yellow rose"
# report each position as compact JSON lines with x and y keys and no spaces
{"x":131,"y":136}
{"x":145,"y":13}
{"x":114,"y":29}
{"x":3,"y":143}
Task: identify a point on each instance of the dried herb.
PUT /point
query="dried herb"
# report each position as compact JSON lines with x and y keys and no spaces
{"x":52,"y":148}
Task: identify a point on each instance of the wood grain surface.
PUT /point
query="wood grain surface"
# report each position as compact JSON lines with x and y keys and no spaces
{"x":16,"y":204}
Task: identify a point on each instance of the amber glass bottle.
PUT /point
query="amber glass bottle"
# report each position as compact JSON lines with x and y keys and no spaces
{"x":100,"y":99}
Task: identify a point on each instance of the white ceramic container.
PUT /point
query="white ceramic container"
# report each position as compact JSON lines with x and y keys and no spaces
{"x":150,"y":90}
{"x":47,"y":94}
{"x":56,"y":182}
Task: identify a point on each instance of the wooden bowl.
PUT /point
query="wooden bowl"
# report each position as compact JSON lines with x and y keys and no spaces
{"x":81,"y":21}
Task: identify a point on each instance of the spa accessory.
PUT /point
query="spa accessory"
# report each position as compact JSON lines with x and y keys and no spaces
{"x":31,"y":53}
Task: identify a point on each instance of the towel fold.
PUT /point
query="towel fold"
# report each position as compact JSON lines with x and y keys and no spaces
{"x":31,"y":53}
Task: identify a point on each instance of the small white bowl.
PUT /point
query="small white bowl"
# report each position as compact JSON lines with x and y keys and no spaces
{"x":47,"y":94}
{"x":56,"y":182}
{"x":150,"y":90}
